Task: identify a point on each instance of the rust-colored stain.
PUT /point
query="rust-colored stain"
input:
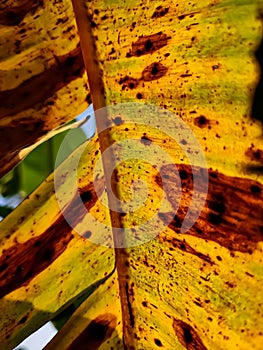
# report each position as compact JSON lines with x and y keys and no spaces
{"x":154,"y":71}
{"x":42,"y":86}
{"x":160,"y":11}
{"x":187,"y":335}
{"x":34,"y":92}
{"x":201,"y":121}
{"x":97,"y":332}
{"x":128,"y":82}
{"x":254,"y":154}
{"x":175,"y":243}
{"x":148,"y":44}
{"x":20,"y":263}
{"x":13,"y":15}
{"x":230,"y":201}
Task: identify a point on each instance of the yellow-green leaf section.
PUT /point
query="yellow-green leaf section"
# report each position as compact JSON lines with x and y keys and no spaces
{"x":197,"y":59}
{"x":104,"y":331}
{"x":45,"y":264}
{"x":201,"y":289}
{"x":42,"y":77}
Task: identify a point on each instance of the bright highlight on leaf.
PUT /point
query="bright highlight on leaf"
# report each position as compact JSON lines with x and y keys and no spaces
{"x":199,"y":288}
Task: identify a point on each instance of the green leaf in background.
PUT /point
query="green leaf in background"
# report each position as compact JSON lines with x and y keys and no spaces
{"x":36,"y":167}
{"x":40,"y":162}
{"x":9,"y":184}
{"x":5,"y":210}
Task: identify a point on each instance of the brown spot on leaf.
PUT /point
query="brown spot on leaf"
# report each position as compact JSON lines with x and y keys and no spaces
{"x":186,"y":75}
{"x":13,"y":15}
{"x":23,"y":261}
{"x":187,"y":335}
{"x":190,"y":14}
{"x":254,"y":154}
{"x":88,"y":98}
{"x":148,"y":44}
{"x":158,"y":342}
{"x":118,"y":120}
{"x":201,"y":121}
{"x":129,"y":295}
{"x":23,"y":319}
{"x":217,"y":203}
{"x":87,"y":234}
{"x":38,"y":88}
{"x":181,"y":17}
{"x":86,"y":196}
{"x":214,"y":67}
{"x":160,"y":11}
{"x":214,"y":219}
{"x":175,"y":243}
{"x":145,"y":140}
{"x":128,"y":83}
{"x":62,"y":20}
{"x":97,"y":332}
{"x":154,"y":71}
{"x":224,"y":218}
{"x":255,"y":189}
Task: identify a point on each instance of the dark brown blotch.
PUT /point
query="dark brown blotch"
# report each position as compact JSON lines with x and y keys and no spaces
{"x":23,"y":261}
{"x":201,"y":121}
{"x":181,"y":17}
{"x":158,"y":342}
{"x":255,"y":154}
{"x":128,"y":83}
{"x":86,"y":196}
{"x":255,"y":189}
{"x":129,"y":295}
{"x":13,"y":15}
{"x":40,"y":87}
{"x":186,"y":75}
{"x":183,"y":174}
{"x":88,"y":98}
{"x":148,"y":44}
{"x":216,"y":204}
{"x":214,"y":219}
{"x":62,"y":20}
{"x":145,"y":140}
{"x":154,"y":71}
{"x":32,"y":257}
{"x":160,"y":11}
{"x":23,"y":319}
{"x":224,"y":218}
{"x":187,"y":335}
{"x":97,"y":333}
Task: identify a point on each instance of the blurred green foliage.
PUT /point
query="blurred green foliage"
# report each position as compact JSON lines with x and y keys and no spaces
{"x":33,"y":170}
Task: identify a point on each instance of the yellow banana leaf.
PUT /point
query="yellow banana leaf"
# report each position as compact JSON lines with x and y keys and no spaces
{"x":176,"y":262}
{"x":42,"y":76}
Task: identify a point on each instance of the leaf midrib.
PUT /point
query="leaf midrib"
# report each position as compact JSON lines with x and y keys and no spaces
{"x":97,"y":89}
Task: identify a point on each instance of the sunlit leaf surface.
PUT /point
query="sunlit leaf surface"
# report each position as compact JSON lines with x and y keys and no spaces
{"x":196,"y":289}
{"x":42,"y":77}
